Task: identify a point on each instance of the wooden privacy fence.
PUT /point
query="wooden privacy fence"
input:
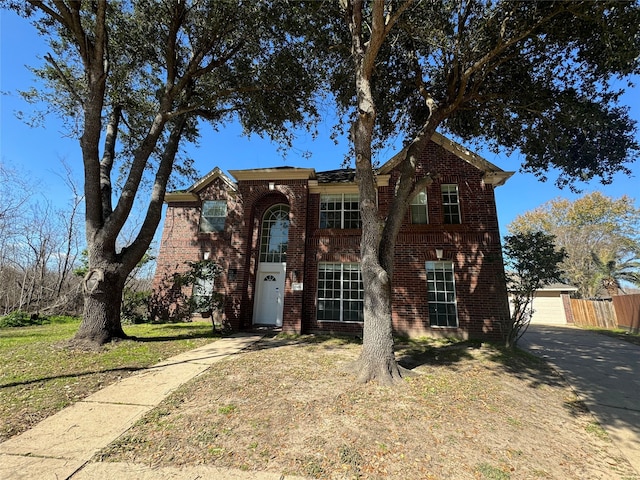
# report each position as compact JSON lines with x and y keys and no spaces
{"x":623,"y":312}
{"x":593,"y":313}
{"x":627,"y":308}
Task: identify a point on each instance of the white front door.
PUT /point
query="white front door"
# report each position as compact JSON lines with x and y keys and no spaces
{"x":269,"y":295}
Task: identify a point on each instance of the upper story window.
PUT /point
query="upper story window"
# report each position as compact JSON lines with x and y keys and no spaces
{"x":274,"y":236}
{"x":340,"y":210}
{"x":418,"y":208}
{"x":214,"y":214}
{"x":450,"y":203}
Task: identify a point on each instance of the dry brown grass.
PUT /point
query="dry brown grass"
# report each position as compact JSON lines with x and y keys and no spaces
{"x":286,"y":406}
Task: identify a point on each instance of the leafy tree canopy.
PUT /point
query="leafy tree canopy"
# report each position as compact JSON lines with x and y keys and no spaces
{"x":213,"y":61}
{"x":539,"y":77}
{"x":595,"y":230}
{"x":135,"y":79}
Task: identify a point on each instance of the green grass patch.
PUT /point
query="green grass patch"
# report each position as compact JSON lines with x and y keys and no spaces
{"x":227,"y":409}
{"x":596,"y":429}
{"x":492,"y":473}
{"x":617,"y":333}
{"x":38,"y":376}
{"x":19,"y":318}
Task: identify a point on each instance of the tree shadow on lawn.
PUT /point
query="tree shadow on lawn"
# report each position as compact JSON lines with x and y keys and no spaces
{"x":538,"y":372}
{"x":188,"y":335}
{"x":523,"y":365}
{"x":412,"y":354}
{"x":275,"y":339}
{"x":188,"y":332}
{"x":527,"y":366}
{"x":72,"y":375}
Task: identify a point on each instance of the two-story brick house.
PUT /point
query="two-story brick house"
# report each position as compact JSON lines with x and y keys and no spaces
{"x":288,"y":242}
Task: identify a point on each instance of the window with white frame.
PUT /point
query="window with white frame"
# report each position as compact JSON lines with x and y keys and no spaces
{"x":340,"y":292}
{"x":418,"y":208}
{"x":274,"y":237}
{"x":441,"y":294}
{"x":450,"y":203}
{"x":202,"y":294}
{"x":340,"y":210}
{"x":214,"y":214}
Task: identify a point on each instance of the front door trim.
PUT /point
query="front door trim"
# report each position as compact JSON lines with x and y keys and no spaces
{"x":269,"y":305}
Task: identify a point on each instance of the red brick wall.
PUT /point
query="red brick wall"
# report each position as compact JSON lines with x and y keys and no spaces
{"x":326,"y":245}
{"x":182,"y":242}
{"x":257,"y":200}
{"x":473,"y":246}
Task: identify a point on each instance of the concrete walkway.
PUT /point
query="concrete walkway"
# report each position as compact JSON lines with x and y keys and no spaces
{"x":604,"y":372}
{"x":61,"y":446}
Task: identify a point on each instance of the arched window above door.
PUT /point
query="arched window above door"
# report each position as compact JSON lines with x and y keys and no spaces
{"x":274,"y":235}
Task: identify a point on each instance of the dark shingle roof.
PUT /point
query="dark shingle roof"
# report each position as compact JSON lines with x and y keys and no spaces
{"x":342,"y":175}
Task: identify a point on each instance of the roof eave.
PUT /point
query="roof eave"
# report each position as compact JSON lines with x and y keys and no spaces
{"x":273,"y":174}
{"x":174,"y":197}
{"x":497,"y":178}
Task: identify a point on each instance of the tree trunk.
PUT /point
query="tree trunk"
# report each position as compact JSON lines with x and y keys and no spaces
{"x":611,"y":286}
{"x":102,"y":303}
{"x":377,"y":360}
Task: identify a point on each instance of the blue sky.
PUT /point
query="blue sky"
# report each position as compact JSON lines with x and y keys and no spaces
{"x":37,"y":152}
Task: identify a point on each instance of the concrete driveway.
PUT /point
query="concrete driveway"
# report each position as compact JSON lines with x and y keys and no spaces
{"x":604,"y":372}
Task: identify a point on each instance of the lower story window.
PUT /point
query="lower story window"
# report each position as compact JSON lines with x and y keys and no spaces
{"x":340,"y":292}
{"x":441,"y":291}
{"x":202,"y":294}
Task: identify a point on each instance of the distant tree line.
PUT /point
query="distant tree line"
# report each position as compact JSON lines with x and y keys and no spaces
{"x":43,"y":254}
{"x":601,"y":236}
{"x":39,"y":248}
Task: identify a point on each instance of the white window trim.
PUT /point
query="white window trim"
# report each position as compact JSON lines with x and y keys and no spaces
{"x":431,"y":266}
{"x":342,"y":210}
{"x":413,"y":203}
{"x":265,"y":255}
{"x":204,"y":218}
{"x":341,"y":298}
{"x":457,"y":203}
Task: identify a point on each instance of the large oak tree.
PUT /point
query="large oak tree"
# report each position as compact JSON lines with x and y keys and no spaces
{"x":135,"y":80}
{"x":533,"y":76}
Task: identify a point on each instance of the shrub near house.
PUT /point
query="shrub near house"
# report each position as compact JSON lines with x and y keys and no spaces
{"x":288,"y":240}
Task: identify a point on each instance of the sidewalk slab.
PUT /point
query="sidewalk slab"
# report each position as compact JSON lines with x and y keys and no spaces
{"x":136,"y":471}
{"x":18,"y":467}
{"x":76,"y":432}
{"x":149,"y":387}
{"x":213,"y":352}
{"x":62,"y":444}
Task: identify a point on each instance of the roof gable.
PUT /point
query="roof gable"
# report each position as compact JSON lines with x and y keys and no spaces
{"x":210,"y":177}
{"x":492,"y":174}
{"x":191,"y":194}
